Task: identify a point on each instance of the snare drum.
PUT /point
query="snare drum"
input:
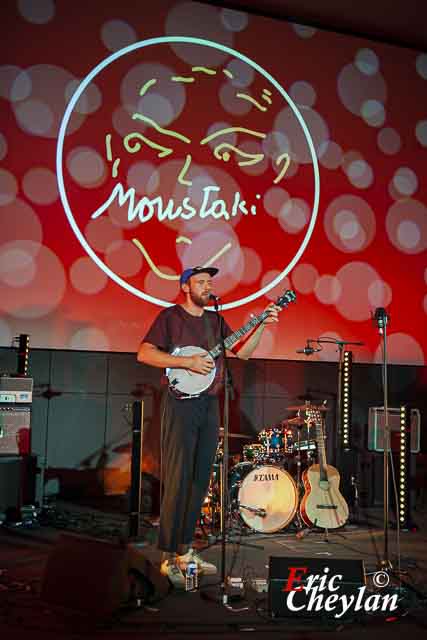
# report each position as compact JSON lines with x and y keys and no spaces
{"x":267,"y":499}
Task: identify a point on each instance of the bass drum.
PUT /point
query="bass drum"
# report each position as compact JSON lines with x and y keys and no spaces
{"x":272,"y":490}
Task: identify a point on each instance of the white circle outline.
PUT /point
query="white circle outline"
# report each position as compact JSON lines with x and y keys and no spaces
{"x":381,"y":579}
{"x":60,"y":178}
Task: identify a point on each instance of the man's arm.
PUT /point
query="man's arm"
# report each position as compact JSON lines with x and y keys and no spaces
{"x":249,"y":346}
{"x":150,"y":354}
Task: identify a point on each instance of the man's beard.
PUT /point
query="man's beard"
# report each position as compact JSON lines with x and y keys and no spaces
{"x":200,"y":301}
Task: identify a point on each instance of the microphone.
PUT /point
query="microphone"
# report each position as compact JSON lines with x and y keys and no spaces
{"x":308,"y":351}
{"x":258,"y":512}
{"x":214,"y":297}
{"x":381,"y":318}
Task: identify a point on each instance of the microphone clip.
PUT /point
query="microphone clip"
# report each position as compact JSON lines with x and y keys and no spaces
{"x":308,"y":350}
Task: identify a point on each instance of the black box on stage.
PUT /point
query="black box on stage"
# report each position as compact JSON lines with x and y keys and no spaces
{"x":302,"y":587}
{"x":96,"y":576}
{"x":17,"y":481}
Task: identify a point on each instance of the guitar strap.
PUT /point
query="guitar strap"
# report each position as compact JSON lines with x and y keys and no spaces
{"x":208,"y":331}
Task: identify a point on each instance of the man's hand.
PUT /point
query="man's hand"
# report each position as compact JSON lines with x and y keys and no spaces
{"x":273,"y":313}
{"x":201,"y":364}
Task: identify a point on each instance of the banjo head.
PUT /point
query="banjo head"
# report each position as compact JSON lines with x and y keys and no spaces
{"x":188,"y":383}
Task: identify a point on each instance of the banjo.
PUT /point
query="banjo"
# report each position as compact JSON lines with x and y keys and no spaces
{"x":188,"y":384}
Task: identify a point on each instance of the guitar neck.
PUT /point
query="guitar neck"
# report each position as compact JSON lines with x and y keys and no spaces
{"x":322,"y":450}
{"x":235,"y":337}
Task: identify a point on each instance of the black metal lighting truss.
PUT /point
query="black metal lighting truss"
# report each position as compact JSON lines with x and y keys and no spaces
{"x":403,"y":484}
{"x":346,"y":400}
{"x":23,"y":353}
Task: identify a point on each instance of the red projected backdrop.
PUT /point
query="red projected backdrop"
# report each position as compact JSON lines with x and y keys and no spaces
{"x":134,"y":145}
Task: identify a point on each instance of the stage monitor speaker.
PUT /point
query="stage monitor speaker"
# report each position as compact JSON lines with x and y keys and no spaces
{"x":290,"y":577}
{"x":135,"y":469}
{"x":96,"y":577}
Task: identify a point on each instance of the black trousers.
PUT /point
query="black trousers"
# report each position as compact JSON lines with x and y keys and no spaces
{"x":188,"y":445}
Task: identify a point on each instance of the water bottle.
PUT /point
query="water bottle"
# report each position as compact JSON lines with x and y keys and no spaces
{"x":191,"y":576}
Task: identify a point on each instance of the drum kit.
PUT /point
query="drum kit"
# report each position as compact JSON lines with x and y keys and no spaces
{"x":265,"y":488}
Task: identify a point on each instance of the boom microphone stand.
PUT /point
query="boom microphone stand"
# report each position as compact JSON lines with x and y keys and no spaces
{"x":340,"y":344}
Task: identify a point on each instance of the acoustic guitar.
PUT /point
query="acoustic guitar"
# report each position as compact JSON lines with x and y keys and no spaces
{"x":188,"y":384}
{"x":322,"y":505}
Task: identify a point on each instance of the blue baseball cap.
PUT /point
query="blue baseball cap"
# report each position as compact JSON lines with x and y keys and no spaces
{"x":186,"y":275}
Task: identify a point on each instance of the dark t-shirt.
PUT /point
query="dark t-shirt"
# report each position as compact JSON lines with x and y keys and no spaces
{"x":175,"y":327}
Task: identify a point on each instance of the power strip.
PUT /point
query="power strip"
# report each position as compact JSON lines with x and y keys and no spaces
{"x":257,"y":584}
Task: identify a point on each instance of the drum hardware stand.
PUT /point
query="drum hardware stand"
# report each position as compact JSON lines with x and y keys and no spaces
{"x":300,"y":487}
{"x":224,"y":516}
{"x":355,"y":506}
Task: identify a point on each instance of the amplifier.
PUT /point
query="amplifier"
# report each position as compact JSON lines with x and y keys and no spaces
{"x":15,"y":430}
{"x":15,"y":389}
{"x":376,"y":423}
{"x":308,"y":587}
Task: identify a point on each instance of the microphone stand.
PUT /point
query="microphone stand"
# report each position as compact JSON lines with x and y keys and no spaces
{"x":382,"y":319}
{"x":224,"y":466}
{"x":225,"y":456}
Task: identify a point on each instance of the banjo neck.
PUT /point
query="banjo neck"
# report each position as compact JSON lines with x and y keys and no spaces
{"x":235,"y":337}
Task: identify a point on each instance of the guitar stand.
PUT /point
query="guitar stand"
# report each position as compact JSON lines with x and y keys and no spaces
{"x":308,"y":530}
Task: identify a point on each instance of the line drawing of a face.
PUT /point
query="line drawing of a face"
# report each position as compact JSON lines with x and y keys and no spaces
{"x":222,"y":149}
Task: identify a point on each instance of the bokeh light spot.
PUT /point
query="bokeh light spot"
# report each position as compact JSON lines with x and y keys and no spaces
{"x":389,"y":141}
{"x":40,"y":12}
{"x":405,"y":181}
{"x":116,"y":34}
{"x":421,"y":132}
{"x":8,"y":187}
{"x":349,"y":223}
{"x":304,"y":277}
{"x":406,"y":225}
{"x":86,"y":167}
{"x":40,"y":186}
{"x":86,"y":277}
{"x":327,"y":289}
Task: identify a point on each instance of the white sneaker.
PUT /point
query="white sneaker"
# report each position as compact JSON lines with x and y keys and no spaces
{"x":207,"y":568}
{"x":172,"y":571}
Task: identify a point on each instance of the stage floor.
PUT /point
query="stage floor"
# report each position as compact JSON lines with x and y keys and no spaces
{"x":25,"y":552}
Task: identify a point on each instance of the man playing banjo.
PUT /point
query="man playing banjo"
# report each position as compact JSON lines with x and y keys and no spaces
{"x":182,"y":340}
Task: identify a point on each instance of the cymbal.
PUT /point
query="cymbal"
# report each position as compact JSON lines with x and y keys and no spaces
{"x":307,"y":407}
{"x":307,"y":397}
{"x":295,"y":422}
{"x":236,"y":435}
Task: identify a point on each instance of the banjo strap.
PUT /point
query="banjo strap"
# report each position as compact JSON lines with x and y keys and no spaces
{"x":209,"y":333}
